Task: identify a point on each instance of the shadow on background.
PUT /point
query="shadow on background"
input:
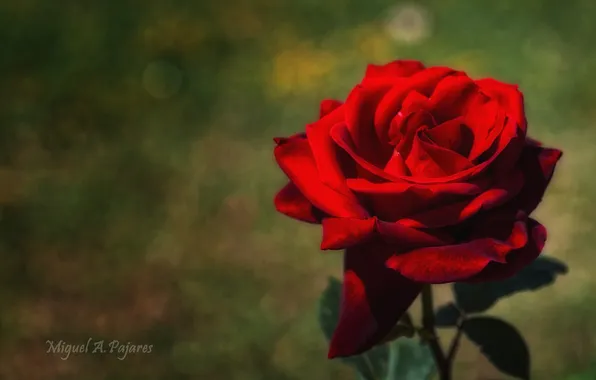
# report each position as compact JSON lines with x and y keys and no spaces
{"x":137,"y":177}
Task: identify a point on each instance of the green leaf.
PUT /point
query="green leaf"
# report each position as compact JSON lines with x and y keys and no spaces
{"x":501,"y":343}
{"x":477,"y":298}
{"x":410,"y":360}
{"x":371,"y":365}
{"x":447,"y":315}
{"x":329,"y":307}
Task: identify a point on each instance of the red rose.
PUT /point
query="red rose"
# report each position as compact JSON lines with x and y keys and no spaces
{"x":422,"y":175}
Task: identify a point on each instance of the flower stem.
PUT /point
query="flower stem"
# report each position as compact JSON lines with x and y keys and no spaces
{"x":455,"y":342}
{"x":428,"y":324}
{"x":393,"y":358}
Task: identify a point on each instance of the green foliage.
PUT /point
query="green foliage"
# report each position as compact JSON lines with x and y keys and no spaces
{"x":501,"y":343}
{"x":447,"y":315}
{"x":476,"y":298}
{"x":410,"y":360}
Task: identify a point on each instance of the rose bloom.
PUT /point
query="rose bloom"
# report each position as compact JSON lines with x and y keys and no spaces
{"x":423,"y":176}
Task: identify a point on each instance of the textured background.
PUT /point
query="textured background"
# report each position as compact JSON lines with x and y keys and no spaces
{"x":136,"y":175}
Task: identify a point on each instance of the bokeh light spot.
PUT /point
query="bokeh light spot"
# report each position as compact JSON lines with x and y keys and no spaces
{"x":409,"y":23}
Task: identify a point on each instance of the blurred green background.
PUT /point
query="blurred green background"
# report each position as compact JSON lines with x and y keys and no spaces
{"x":136,"y":175}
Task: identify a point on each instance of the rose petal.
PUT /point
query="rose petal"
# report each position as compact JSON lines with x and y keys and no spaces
{"x":456,"y":262}
{"x":405,"y":238}
{"x":485,"y":122}
{"x":517,"y":259}
{"x":392,"y":201}
{"x":448,"y":214}
{"x":341,"y":136}
{"x":294,"y":157}
{"x":343,"y":139}
{"x":508,"y":96}
{"x":453,"y":135}
{"x":400,"y":68}
{"x":331,"y":165}
{"x":404,"y":128}
{"x":431,"y":161}
{"x":538,"y":165}
{"x":359,"y":113}
{"x":374,"y":298}
{"x":423,"y":82}
{"x":328,"y":106}
{"x":452,"y":96}
{"x":291,"y":202}
{"x":396,"y":165}
{"x":339,"y":233}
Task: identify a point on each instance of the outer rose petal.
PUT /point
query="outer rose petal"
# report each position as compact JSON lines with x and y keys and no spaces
{"x":291,"y":202}
{"x":538,"y":165}
{"x":328,"y":106}
{"x":458,"y":262}
{"x":330,"y":163}
{"x":294,"y":157}
{"x":516,"y":260}
{"x":339,"y":233}
{"x":400,"y":68}
{"x":374,"y":298}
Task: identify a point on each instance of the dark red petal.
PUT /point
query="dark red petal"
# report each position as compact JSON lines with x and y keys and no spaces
{"x":516,"y":260}
{"x":328,"y":106}
{"x":339,"y":233}
{"x":538,"y":165}
{"x":508,"y":96}
{"x":290,"y":201}
{"x":437,"y":265}
{"x":405,"y":238}
{"x":392,"y":201}
{"x":294,"y":157}
{"x":374,"y":298}
{"x":400,"y":68}
{"x":448,"y":214}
